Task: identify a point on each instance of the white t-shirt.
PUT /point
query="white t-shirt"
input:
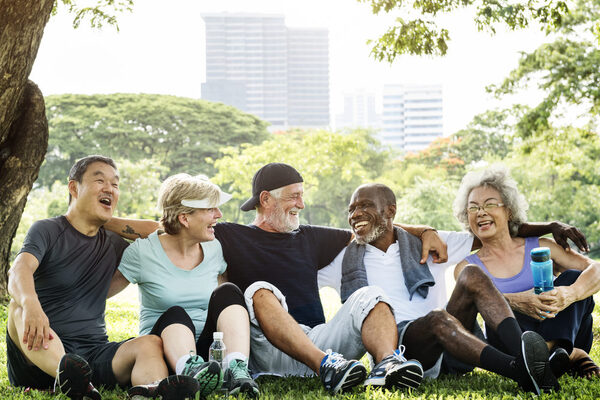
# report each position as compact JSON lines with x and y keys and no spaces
{"x":384,"y":269}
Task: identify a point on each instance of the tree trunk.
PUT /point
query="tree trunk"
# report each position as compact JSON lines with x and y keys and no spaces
{"x":23,"y":125}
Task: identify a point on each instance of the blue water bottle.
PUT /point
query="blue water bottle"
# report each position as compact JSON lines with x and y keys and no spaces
{"x":541,"y":267}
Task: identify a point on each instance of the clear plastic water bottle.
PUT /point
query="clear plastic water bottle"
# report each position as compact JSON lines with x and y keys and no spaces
{"x":541,"y":267}
{"x":216,"y":351}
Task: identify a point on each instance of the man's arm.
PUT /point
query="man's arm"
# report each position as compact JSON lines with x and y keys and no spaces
{"x":21,"y":287}
{"x":131,"y":228}
{"x":117,"y":284}
{"x":432,"y":243}
{"x":561,"y":233}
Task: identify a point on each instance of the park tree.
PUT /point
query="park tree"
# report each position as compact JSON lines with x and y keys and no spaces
{"x":418,"y":30}
{"x":23,"y":125}
{"x":180,"y":133}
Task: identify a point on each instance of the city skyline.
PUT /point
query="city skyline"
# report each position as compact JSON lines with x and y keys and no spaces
{"x":158,"y":50}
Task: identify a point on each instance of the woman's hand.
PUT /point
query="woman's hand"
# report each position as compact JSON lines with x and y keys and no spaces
{"x":531,"y":304}
{"x":560,"y":298}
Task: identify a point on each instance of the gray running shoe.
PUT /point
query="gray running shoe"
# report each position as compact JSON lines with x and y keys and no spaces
{"x":396,"y":371}
{"x":537,"y":376}
{"x":339,"y":374}
{"x":238,"y":380}
{"x":174,"y":387}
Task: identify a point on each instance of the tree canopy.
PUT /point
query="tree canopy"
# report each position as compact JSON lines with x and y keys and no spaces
{"x":178,"y":132}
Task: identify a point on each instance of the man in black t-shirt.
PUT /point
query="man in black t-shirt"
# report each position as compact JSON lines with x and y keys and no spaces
{"x":59,"y":283}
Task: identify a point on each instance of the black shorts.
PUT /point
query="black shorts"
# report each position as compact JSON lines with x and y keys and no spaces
{"x":22,"y":373}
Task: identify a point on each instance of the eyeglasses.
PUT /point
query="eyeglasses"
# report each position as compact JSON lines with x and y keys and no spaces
{"x":487,"y":207}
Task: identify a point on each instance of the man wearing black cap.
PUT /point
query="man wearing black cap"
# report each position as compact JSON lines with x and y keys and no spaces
{"x":275,"y":260}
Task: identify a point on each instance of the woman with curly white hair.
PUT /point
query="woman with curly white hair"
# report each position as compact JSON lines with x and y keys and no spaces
{"x":491,"y":207}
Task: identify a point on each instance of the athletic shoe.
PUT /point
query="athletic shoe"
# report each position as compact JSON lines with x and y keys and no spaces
{"x":396,"y":371}
{"x":338,"y":374}
{"x":560,"y":361}
{"x":174,"y":387}
{"x":208,"y":374}
{"x":73,"y":378}
{"x":237,"y":379}
{"x":537,"y":376}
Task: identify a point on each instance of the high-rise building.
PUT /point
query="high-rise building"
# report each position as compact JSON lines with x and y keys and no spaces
{"x":257,"y":64}
{"x":359,"y":111}
{"x":412,"y":116}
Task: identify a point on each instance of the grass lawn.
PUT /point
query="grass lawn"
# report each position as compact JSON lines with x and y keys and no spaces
{"x":121,"y":318}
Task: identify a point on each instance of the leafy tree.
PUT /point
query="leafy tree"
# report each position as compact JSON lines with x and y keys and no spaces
{"x":23,"y":125}
{"x":418,"y":31}
{"x":559,"y":174}
{"x":565,"y":70}
{"x":332,"y":166}
{"x":178,"y":132}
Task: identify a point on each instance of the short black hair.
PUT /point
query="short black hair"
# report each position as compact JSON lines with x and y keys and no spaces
{"x":79,"y":168}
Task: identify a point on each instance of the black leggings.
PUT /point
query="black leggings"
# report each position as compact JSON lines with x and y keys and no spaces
{"x":222,"y":297}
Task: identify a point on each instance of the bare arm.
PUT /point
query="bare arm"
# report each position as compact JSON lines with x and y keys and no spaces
{"x":432,"y":243}
{"x":586,"y":284}
{"x":117,"y":284}
{"x":131,"y":228}
{"x":36,"y":326}
{"x":221,"y":279}
{"x":561,"y":233}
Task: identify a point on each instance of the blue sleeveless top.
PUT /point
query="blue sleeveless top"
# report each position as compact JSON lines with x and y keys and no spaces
{"x":518,"y":283}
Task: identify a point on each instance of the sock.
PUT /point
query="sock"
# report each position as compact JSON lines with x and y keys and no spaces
{"x":181,"y":363}
{"x":234,"y":356}
{"x":496,"y":361}
{"x":510,"y":333}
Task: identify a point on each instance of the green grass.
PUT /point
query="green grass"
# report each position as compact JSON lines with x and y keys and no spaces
{"x":121,"y":317}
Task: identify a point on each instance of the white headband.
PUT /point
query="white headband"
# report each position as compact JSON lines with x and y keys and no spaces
{"x":206,"y":203}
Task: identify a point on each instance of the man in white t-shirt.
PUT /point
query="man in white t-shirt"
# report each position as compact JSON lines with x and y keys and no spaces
{"x":428,"y":327}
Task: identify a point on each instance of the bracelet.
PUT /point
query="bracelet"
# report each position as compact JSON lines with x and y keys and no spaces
{"x":425,"y":230}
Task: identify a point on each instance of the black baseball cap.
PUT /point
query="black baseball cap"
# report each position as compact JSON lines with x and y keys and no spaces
{"x":271,"y":176}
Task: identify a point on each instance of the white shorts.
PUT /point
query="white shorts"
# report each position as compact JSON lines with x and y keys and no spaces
{"x":341,"y":334}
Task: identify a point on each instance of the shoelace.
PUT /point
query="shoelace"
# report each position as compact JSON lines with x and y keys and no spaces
{"x":193,"y":362}
{"x":334,"y":359}
{"x":399,"y":354}
{"x":240,"y":370}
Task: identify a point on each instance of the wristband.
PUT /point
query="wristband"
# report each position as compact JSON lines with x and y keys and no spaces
{"x":425,"y":230}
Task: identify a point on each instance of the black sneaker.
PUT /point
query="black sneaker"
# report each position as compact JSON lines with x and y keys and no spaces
{"x":208,"y":374}
{"x":73,"y":378}
{"x":338,"y":374}
{"x":238,"y":380}
{"x":560,"y":361}
{"x":396,"y":371}
{"x":174,"y":387}
{"x":537,"y":376}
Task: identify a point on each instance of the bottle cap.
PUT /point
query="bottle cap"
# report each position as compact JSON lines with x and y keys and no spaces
{"x":217,"y":335}
{"x":540,"y":254}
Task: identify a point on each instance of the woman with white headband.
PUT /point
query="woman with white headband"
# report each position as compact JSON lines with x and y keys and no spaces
{"x":178,"y":272}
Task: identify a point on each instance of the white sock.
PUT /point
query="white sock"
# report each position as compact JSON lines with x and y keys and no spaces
{"x":234,"y":356}
{"x":181,"y":364}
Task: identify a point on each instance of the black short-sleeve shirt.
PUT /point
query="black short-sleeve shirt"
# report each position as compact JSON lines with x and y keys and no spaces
{"x":73,"y":276}
{"x":289,"y":261}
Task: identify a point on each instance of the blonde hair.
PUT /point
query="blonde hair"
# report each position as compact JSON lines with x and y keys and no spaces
{"x":183,"y":187}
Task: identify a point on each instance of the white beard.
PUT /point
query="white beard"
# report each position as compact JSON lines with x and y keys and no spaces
{"x":283,"y":222}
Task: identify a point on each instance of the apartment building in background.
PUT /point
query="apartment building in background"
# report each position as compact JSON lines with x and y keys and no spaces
{"x":254,"y":62}
{"x":412,"y":116}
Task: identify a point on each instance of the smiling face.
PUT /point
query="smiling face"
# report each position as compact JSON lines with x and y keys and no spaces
{"x":96,"y":196}
{"x":201,"y":223}
{"x":369,"y":216}
{"x":282,"y":213}
{"x":486,"y":224}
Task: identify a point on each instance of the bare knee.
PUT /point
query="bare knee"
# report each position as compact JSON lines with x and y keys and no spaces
{"x":472,"y":279}
{"x":150,"y":343}
{"x":263,"y":295}
{"x":441,"y":322}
